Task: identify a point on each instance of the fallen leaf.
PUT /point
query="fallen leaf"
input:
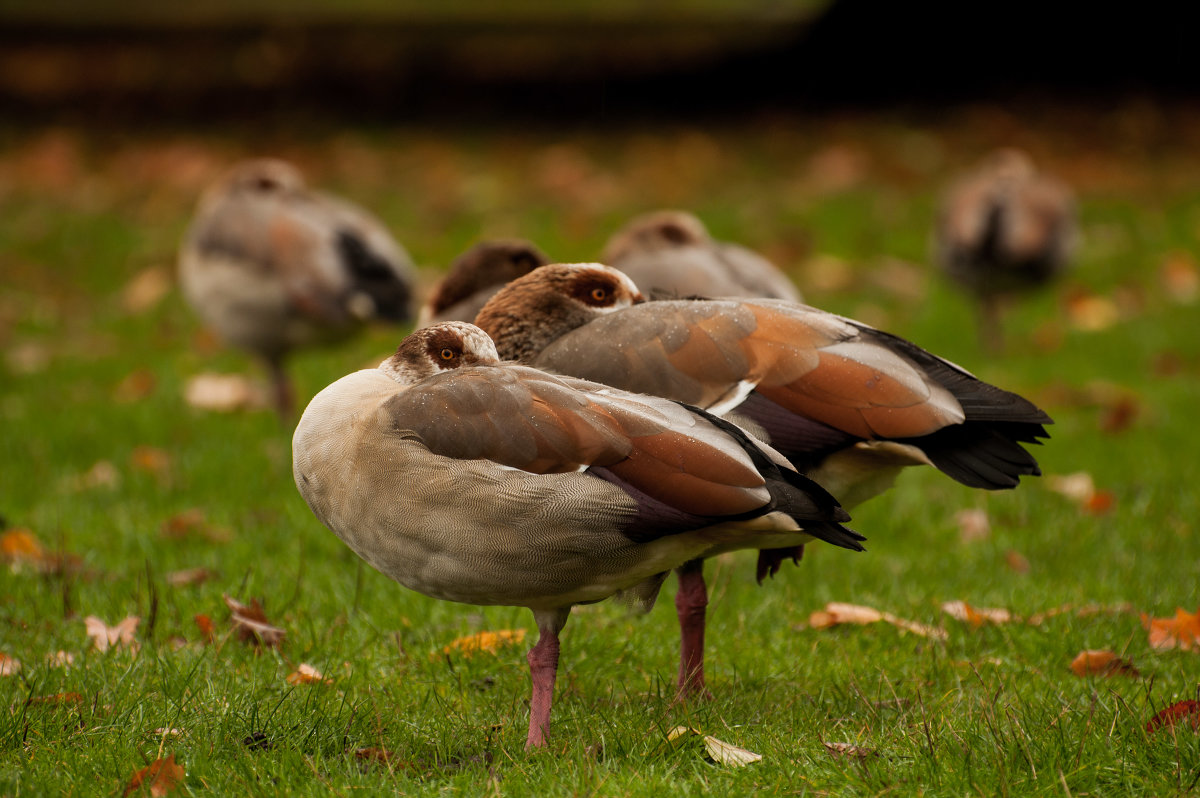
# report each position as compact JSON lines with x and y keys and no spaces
{"x":848,"y":749}
{"x":307,"y":674}
{"x":27,"y":357}
{"x":150,"y":460}
{"x":222,"y":393}
{"x":1182,"y":631}
{"x":60,"y":659}
{"x":8,"y":665}
{"x":205,"y":624}
{"x":381,"y":755}
{"x":1085,"y":611}
{"x":19,"y":545}
{"x":1100,"y":502}
{"x":146,"y":289}
{"x":837,"y":612}
{"x":1102,"y":663}
{"x":167,"y":732}
{"x":1119,"y":416}
{"x":718,"y":751}
{"x":1016,"y":561}
{"x":188,"y":576}
{"x":977,"y":616}
{"x":58,"y":698}
{"x":973,"y":525}
{"x":1091,"y":313}
{"x":1078,"y":487}
{"x":251,"y":623}
{"x":1174,"y":714}
{"x":193,"y":522}
{"x":490,"y":642}
{"x":1180,"y":278}
{"x":136,"y":386}
{"x":120,"y":636}
{"x":102,"y":474}
{"x":161,"y":777}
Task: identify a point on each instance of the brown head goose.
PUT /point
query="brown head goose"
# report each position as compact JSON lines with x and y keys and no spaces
{"x":476,"y":276}
{"x":1002,"y":229}
{"x":474,"y":480}
{"x":847,"y":404}
{"x":671,"y":254}
{"x":272,"y":265}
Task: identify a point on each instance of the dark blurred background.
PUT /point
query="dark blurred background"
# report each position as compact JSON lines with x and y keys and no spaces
{"x":591,"y":61}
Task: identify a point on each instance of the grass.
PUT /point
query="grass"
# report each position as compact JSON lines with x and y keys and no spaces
{"x":844,"y":202}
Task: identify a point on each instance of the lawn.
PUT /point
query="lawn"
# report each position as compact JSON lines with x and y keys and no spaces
{"x":123,"y":484}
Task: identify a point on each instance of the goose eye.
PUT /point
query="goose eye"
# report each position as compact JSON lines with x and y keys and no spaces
{"x":447,"y":353}
{"x":599,"y":294}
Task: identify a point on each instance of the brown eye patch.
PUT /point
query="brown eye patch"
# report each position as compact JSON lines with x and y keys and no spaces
{"x":445,"y":347}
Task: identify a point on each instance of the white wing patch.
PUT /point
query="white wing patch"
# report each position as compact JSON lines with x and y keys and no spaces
{"x":732,"y":398}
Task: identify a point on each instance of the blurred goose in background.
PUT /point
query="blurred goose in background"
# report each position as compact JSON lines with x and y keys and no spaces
{"x":670,"y":254}
{"x":472,"y":480}
{"x":272,"y":265}
{"x":1003,"y":229}
{"x":848,"y":405}
{"x":475,"y":277}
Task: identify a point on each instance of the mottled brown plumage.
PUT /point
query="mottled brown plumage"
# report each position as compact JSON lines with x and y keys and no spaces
{"x":476,"y":276}
{"x":272,"y":265}
{"x":474,"y":480}
{"x":670,"y":254}
{"x":1004,"y":229}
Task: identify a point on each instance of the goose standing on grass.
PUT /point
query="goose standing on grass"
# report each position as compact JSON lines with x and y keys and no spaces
{"x":671,"y":254}
{"x":848,"y":405}
{"x":1004,"y":229}
{"x":272,"y":265}
{"x":476,"y":276}
{"x":472,"y":480}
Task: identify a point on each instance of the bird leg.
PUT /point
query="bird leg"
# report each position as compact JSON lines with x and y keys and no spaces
{"x":691,"y":601}
{"x":281,"y":389}
{"x":543,"y":668}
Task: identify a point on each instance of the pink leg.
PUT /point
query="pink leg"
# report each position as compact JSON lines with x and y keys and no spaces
{"x":543,"y":668}
{"x":691,"y":601}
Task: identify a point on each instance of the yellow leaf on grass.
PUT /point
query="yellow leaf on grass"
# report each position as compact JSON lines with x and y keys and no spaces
{"x":837,"y":612}
{"x":1094,"y":662}
{"x":490,"y":642}
{"x":977,"y":616}
{"x":718,"y":751}
{"x":159,"y":778}
{"x":120,"y":636}
{"x":307,"y":674}
{"x":1182,"y":631}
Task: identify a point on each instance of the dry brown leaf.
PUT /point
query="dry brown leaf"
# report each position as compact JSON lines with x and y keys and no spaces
{"x":490,"y":642}
{"x":718,"y":751}
{"x":837,"y":612}
{"x":848,"y":749}
{"x":1182,"y":631}
{"x":307,"y":674}
{"x":251,"y":623}
{"x":137,"y":386}
{"x":1016,"y":561}
{"x":973,"y":525}
{"x":120,"y":636}
{"x":205,"y":625}
{"x":1094,"y":662}
{"x":146,"y":289}
{"x":193,"y":522}
{"x":1091,"y":313}
{"x":1078,"y":487}
{"x":160,"y":777}
{"x":381,"y":755}
{"x":189,"y":576}
{"x":977,"y":616}
{"x":8,"y":665}
{"x":1180,"y":278}
{"x":20,"y":545}
{"x":222,"y":393}
{"x":150,"y":460}
{"x":1119,"y":415}
{"x":58,"y":698}
{"x":1174,"y":715}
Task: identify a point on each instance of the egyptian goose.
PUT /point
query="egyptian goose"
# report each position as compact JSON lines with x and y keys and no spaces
{"x":473,"y":480}
{"x":475,"y":276}
{"x":272,"y":265}
{"x":1002,"y":229}
{"x":671,"y":254}
{"x":847,"y":404}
